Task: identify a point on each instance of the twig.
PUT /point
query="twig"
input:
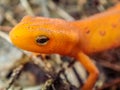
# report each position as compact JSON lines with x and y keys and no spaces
{"x":5,"y":28}
{"x":45,"y":11}
{"x":14,"y":76}
{"x":59,"y":11}
{"x":5,"y":36}
{"x":27,"y":7}
{"x":47,"y":84}
{"x":9,"y":17}
{"x":110,"y":84}
{"x":110,"y":65}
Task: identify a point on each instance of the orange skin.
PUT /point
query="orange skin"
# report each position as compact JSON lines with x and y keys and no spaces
{"x":77,"y":39}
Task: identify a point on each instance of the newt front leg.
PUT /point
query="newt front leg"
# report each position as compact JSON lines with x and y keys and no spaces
{"x":91,"y":68}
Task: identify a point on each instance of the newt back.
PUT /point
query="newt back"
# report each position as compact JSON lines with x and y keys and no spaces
{"x":100,"y":32}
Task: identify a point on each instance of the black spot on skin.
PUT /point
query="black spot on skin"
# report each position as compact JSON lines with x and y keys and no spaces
{"x":88,"y":31}
{"x":114,"y":25}
{"x":102,"y":33}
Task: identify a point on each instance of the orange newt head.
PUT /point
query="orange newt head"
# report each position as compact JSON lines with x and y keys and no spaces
{"x":44,"y":35}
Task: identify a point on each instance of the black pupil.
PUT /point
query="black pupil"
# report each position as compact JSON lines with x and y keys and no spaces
{"x":42,"y":40}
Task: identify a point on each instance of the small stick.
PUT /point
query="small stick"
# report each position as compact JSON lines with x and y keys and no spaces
{"x":14,"y":76}
{"x":47,"y":84}
{"x":5,"y":36}
{"x":5,"y":28}
{"x":45,"y":11}
{"x":110,"y":84}
{"x":110,"y":65}
{"x":59,"y":11}
{"x":27,"y":7}
{"x":9,"y":17}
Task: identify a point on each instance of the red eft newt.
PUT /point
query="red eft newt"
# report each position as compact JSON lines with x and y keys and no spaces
{"x":77,"y":39}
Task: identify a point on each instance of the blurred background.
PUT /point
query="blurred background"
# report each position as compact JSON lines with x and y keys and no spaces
{"x":22,"y":70}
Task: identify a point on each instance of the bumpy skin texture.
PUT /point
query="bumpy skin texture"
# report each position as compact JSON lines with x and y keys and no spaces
{"x":76,"y":38}
{"x":101,"y":31}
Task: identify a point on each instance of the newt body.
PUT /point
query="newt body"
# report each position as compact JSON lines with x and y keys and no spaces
{"x":73,"y":38}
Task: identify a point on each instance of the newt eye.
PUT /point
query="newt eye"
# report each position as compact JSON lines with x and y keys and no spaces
{"x":42,"y":40}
